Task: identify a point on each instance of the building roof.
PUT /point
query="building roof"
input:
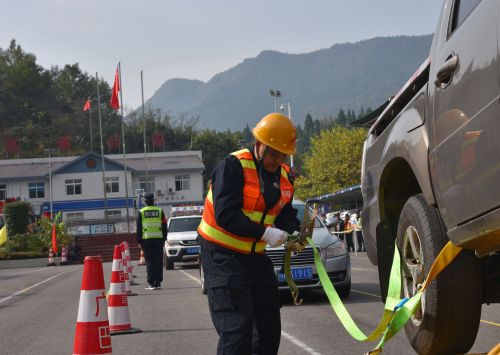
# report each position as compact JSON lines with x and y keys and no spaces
{"x":30,"y":168}
{"x":164,"y":161}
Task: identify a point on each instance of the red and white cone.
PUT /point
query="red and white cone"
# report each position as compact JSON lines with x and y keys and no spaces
{"x":119,"y":317}
{"x":52,"y":260}
{"x":142,"y":261}
{"x":64,"y":256}
{"x":125,"y":271}
{"x":92,"y":334}
{"x":130,"y":269}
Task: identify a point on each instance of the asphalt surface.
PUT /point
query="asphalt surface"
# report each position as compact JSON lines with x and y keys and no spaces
{"x":38,"y":310}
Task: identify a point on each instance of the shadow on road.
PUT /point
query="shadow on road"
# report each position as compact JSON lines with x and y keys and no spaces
{"x":318,"y":296}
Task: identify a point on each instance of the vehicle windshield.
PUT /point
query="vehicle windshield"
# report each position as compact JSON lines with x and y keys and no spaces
{"x":300,"y":214}
{"x":184,"y":224}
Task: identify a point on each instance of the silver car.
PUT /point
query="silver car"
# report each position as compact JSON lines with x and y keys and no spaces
{"x":333,"y":255}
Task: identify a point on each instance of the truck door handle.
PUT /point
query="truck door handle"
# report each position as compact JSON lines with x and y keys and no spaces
{"x":446,"y":71}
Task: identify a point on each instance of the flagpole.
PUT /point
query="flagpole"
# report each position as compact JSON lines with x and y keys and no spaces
{"x":102,"y":153}
{"x":123,"y":147}
{"x":90,"y":119}
{"x":144,"y":126}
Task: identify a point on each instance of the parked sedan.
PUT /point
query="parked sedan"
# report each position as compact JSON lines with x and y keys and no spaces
{"x":333,"y":255}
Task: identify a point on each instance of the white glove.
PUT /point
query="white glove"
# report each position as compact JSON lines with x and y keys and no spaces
{"x":274,"y":236}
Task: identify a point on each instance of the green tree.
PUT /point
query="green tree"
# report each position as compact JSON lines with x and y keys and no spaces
{"x":332,"y":163}
{"x":214,"y":146}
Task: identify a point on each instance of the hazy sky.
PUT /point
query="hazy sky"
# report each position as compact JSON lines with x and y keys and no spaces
{"x":195,"y":39}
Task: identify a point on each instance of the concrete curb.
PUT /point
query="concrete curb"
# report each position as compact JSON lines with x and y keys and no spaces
{"x":23,"y":263}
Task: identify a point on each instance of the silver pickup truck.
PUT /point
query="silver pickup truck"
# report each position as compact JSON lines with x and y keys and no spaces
{"x":431,"y":173}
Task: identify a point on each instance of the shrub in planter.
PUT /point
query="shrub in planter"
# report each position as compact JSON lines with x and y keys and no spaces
{"x":17,"y":217}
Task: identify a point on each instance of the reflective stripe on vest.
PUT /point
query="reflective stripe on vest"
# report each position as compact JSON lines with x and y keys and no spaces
{"x":151,"y":222}
{"x":253,"y":207}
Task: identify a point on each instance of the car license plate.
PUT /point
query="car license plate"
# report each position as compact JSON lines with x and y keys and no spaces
{"x":300,"y":273}
{"x":192,"y":250}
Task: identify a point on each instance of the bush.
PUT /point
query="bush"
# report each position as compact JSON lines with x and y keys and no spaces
{"x":17,"y":217}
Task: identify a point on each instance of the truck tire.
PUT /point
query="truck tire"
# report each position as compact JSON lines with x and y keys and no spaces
{"x":448,"y":320}
{"x":169,"y":265}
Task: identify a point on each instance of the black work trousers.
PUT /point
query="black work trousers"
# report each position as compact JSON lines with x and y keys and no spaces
{"x":243,"y":297}
{"x":350,"y":243}
{"x":153,"y":253}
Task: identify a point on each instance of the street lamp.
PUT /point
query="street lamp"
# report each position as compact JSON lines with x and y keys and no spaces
{"x":50,"y":151}
{"x":282,"y":108}
{"x":275,"y":94}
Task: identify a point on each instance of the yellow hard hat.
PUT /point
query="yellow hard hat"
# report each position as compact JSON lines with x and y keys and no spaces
{"x":276,"y":131}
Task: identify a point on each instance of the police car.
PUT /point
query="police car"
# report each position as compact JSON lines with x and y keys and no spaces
{"x":181,"y":244}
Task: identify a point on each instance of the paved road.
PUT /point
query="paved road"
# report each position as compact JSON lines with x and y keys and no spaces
{"x":38,"y":308}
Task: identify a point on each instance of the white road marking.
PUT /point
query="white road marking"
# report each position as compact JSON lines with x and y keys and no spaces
{"x":286,"y":335}
{"x":366,"y":293}
{"x":362,"y":269}
{"x":32,"y":286}
{"x":191,"y":277}
{"x":299,"y":343}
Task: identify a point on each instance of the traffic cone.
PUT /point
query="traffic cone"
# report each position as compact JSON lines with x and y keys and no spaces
{"x":119,"y":317}
{"x":142,"y":261}
{"x":92,"y":334}
{"x":52,"y":260}
{"x":125,"y":271}
{"x":130,"y":269}
{"x":64,"y":256}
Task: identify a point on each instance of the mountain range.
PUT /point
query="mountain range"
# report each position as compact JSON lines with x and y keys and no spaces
{"x":345,"y":76}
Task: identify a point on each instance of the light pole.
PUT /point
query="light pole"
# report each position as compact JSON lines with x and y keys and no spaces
{"x":50,"y":151}
{"x":275,"y":94}
{"x":282,"y":108}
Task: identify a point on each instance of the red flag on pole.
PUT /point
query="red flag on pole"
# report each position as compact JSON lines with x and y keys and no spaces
{"x":115,"y":103}
{"x":54,"y":238}
{"x":87,"y":106}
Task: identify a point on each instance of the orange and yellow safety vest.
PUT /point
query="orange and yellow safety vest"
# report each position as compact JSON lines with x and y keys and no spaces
{"x":254,"y":207}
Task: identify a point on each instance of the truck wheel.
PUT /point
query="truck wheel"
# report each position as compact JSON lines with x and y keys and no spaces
{"x":169,"y":265}
{"x":448,"y":320}
{"x":202,"y":280}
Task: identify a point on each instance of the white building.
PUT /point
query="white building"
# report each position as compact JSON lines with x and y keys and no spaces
{"x":77,"y":182}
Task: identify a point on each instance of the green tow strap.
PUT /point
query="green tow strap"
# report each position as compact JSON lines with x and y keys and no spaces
{"x":397,"y":311}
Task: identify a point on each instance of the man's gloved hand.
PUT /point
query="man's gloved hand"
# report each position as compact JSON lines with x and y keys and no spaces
{"x":274,"y":236}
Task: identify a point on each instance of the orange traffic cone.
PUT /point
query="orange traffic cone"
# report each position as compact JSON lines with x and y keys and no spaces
{"x":52,"y":260}
{"x":125,"y":271}
{"x":130,"y":269}
{"x":64,"y":256}
{"x":92,"y":327}
{"x":119,"y":317}
{"x":142,"y":261}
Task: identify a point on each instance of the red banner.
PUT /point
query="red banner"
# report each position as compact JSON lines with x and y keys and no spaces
{"x":87,"y":106}
{"x":11,"y":145}
{"x":54,"y":238}
{"x":63,"y":143}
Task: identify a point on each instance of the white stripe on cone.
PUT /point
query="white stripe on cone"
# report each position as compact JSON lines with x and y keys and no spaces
{"x":92,"y":306}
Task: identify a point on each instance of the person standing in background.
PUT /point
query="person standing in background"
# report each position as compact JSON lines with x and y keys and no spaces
{"x":151,"y":235}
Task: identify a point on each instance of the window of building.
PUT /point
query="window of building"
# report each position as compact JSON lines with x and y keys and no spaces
{"x":73,"y":187}
{"x":147,"y":186}
{"x":461,"y":10}
{"x":181,"y":182}
{"x":36,"y":189}
{"x":74,"y":216}
{"x":114,"y":213}
{"x":3,"y":192}
{"x":112,"y":184}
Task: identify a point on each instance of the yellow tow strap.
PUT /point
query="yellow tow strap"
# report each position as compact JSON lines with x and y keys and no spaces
{"x":396,"y":312}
